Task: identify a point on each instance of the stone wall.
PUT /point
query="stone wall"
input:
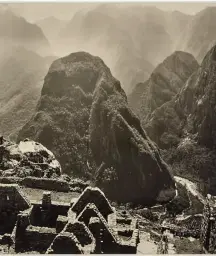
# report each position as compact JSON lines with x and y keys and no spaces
{"x":212,"y":237}
{"x":61,"y":185}
{"x":10,"y":180}
{"x":65,"y":243}
{"x":61,"y":223}
{"x":52,"y":227}
{"x":23,"y":221}
{"x":80,"y":230}
{"x":45,"y":212}
{"x":208,"y":226}
{"x":12,"y":197}
{"x":46,"y":184}
{"x":39,"y":238}
{"x":95,"y":196}
{"x":163,"y":245}
{"x":12,"y":201}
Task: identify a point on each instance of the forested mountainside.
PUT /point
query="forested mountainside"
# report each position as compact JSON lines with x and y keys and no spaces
{"x":84,"y":118}
{"x":165,"y":82}
{"x":185,"y":126}
{"x":21,"y":79}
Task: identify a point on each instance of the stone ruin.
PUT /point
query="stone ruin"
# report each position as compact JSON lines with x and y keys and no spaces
{"x":89,"y":224}
{"x":208,"y":227}
{"x":163,"y":245}
{"x":12,"y":201}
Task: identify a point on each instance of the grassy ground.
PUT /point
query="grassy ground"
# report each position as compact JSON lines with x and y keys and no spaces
{"x":36,"y":194}
{"x":185,"y":246}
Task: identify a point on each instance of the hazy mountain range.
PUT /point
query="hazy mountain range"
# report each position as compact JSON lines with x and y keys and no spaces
{"x":22,"y":73}
{"x":156,"y":56}
{"x":16,"y":31}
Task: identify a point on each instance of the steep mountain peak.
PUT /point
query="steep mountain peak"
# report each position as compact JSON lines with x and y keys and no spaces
{"x":64,"y":107}
{"x":207,"y":11}
{"x":185,"y":126}
{"x":84,"y":118}
{"x":80,"y":68}
{"x":79,"y":57}
{"x":164,"y":83}
{"x":199,"y":37}
{"x":193,"y":107}
{"x":174,"y":61}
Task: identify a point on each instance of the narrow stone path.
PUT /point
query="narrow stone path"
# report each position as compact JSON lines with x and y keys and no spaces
{"x":146,"y":245}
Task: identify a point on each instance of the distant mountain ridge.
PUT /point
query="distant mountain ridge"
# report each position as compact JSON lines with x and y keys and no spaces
{"x":139,"y":38}
{"x":164,"y":83}
{"x":16,"y":31}
{"x":21,"y":79}
{"x":51,"y":26}
{"x":198,"y":36}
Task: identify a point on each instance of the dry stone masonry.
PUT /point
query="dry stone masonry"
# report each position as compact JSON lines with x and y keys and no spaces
{"x":208,"y":227}
{"x":88,"y":224}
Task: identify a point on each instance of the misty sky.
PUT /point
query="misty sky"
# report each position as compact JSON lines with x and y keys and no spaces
{"x":65,"y":11}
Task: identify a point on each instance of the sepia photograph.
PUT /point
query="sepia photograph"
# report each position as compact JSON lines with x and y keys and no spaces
{"x":108,"y":127}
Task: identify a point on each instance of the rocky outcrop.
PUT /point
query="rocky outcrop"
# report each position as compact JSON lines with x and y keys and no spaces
{"x":131,"y":168}
{"x":28,"y":158}
{"x":164,"y":83}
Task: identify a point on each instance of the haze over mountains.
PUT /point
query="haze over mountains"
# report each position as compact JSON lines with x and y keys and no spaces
{"x":132,"y":40}
{"x":118,"y":35}
{"x":68,"y":83}
{"x":22,"y":73}
{"x":198,"y":36}
{"x":16,"y":31}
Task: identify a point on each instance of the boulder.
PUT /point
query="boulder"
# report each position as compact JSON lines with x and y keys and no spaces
{"x":27,"y":158}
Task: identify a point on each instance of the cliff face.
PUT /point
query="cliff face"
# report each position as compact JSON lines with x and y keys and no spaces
{"x":187,"y":123}
{"x":131,"y":168}
{"x":164,"y":83}
{"x":193,"y":105}
{"x":109,"y":136}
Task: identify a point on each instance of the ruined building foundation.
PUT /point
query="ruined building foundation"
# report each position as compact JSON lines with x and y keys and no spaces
{"x":89,"y":224}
